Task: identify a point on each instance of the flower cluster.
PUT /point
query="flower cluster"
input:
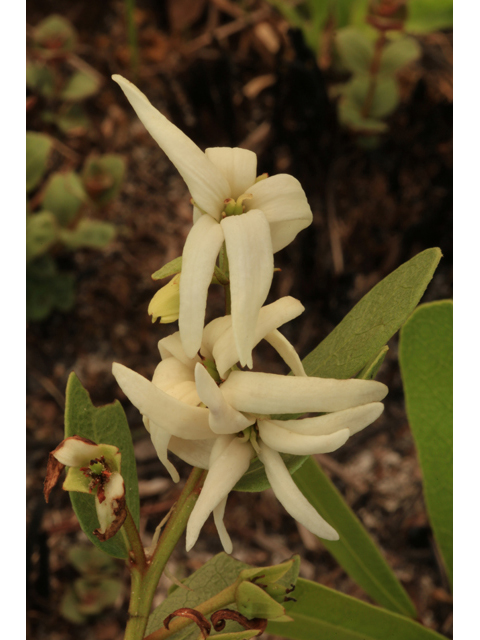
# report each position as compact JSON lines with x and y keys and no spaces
{"x":200,"y":405}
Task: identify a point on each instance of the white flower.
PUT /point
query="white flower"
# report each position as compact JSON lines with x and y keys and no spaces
{"x":222,"y":181}
{"x":221,"y":438}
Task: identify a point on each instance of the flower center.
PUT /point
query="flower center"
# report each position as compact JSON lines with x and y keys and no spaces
{"x":99,"y":474}
{"x":235,"y":207}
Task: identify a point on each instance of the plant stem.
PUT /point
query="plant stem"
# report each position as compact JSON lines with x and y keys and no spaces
{"x":137,"y":553}
{"x":145,"y":575}
{"x":374,"y":69}
{"x":219,"y":601}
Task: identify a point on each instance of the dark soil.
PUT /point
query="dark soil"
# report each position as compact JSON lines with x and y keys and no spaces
{"x":373,"y":210}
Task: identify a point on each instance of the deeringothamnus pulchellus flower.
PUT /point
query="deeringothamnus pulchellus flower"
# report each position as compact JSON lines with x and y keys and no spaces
{"x":92,"y":468}
{"x":216,"y":417}
{"x":253,"y":217}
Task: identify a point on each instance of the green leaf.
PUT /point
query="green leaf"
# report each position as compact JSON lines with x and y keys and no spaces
{"x":425,"y":16}
{"x":370,"y":370}
{"x":102,"y":177}
{"x":63,"y":196}
{"x":255,"y":479}
{"x":38,"y":150}
{"x":72,"y":119}
{"x":426,"y":363}
{"x":350,"y":115}
{"x":42,"y":233}
{"x":320,"y":612}
{"x":355,"y":551}
{"x":385,"y":97}
{"x":106,"y":425}
{"x":48,"y":291}
{"x":356,"y":51}
{"x":398,"y":54}
{"x":93,"y":234}
{"x":40,"y":79}
{"x":80,"y":86}
{"x":53,"y":36}
{"x":169,"y":269}
{"x":374,"y":320}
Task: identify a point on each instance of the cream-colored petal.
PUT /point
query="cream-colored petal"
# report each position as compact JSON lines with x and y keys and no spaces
{"x":290,"y":496}
{"x":212,"y":332}
{"x":114,"y":491}
{"x":267,"y":393}
{"x":270,"y":317}
{"x":285,"y":441}
{"x":207,"y":185}
{"x":171,"y":372}
{"x":354,"y":419}
{"x":284,"y":203}
{"x":286,"y":351}
{"x":250,"y":257}
{"x":223,"y":418}
{"x":239,"y":166}
{"x":199,"y":255}
{"x":161,"y":440}
{"x":74,"y":452}
{"x":222,"y":476}
{"x":193,"y":452}
{"x":171,"y":347}
{"x":179,"y":419}
{"x":218,"y":514}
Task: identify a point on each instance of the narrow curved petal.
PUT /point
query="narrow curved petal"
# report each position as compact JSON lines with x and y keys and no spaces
{"x":161,"y":440}
{"x":107,"y":509}
{"x":239,"y":166}
{"x":354,"y":419}
{"x":207,"y":185}
{"x":171,"y":347}
{"x":270,"y":317}
{"x":223,"y":418}
{"x":199,"y":256}
{"x":286,"y":351}
{"x":222,"y":476}
{"x":193,"y":452}
{"x":285,"y":205}
{"x":177,"y":418}
{"x":290,"y":496}
{"x":218,"y":514}
{"x":285,"y":441}
{"x":250,"y":257}
{"x":74,"y":452}
{"x":212,"y":332}
{"x":267,"y":393}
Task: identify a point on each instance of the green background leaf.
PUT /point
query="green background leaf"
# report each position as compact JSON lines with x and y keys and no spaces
{"x":107,"y":425}
{"x":398,"y":54}
{"x":102,"y":177}
{"x":355,"y":551}
{"x":93,"y":234}
{"x":426,"y":363}
{"x":80,"y":86}
{"x":38,"y":149}
{"x":356,"y":51}
{"x":64,"y":196}
{"x":425,"y":16}
{"x":374,"y":320}
{"x":326,"y":614}
{"x":41,"y":234}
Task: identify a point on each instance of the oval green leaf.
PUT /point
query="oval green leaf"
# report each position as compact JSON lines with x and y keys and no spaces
{"x":38,"y":150}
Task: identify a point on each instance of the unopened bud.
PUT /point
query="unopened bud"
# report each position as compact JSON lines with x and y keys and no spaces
{"x":165,"y":304}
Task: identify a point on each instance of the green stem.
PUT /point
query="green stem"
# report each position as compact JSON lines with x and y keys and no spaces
{"x":145,"y":576}
{"x":219,"y":601}
{"x":137,"y":553}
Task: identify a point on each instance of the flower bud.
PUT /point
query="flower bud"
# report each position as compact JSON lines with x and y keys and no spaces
{"x":165,"y":304}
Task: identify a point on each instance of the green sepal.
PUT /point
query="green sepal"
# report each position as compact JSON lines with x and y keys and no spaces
{"x":76,"y":481}
{"x":253,"y":602}
{"x":170,"y":269}
{"x":269,"y":575}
